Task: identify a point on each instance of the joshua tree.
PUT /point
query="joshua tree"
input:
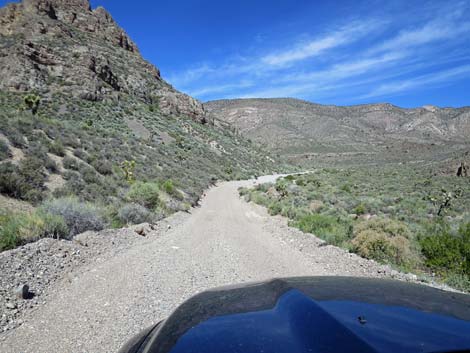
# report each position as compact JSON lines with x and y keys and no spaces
{"x":32,"y":102}
{"x":444,"y":200}
{"x":128,"y":168}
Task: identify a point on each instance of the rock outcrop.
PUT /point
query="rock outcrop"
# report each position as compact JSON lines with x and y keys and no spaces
{"x":64,"y":46}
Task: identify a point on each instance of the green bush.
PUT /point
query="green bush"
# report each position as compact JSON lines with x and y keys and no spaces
{"x":25,"y":181}
{"x":145,"y":194}
{"x":333,"y":230}
{"x":447,"y":252}
{"x":71,"y":163}
{"x":31,"y":179}
{"x":8,"y":179}
{"x":360,"y":209}
{"x":274,"y":208}
{"x":168,"y":187}
{"x":17,"y":229}
{"x":171,"y":190}
{"x":57,"y":148}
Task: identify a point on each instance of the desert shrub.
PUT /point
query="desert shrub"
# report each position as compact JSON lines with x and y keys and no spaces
{"x":380,"y":247}
{"x":243,"y":191}
{"x":333,"y":230}
{"x":17,"y":139}
{"x":57,"y":148}
{"x":384,"y":240}
{"x":71,"y":163}
{"x":447,"y":252}
{"x":145,"y":194}
{"x":17,"y":229}
{"x":168,"y":187}
{"x":25,"y":181}
{"x":4,"y":151}
{"x":8,"y":179}
{"x":263,"y":187}
{"x":260,"y":199}
{"x":50,"y":165}
{"x":134,"y":213}
{"x":103,"y":167}
{"x":171,"y":190}
{"x":360,"y":209}
{"x":274,"y":208}
{"x":31,"y":179}
{"x":89,"y":175}
{"x":281,"y":187}
{"x":71,"y":141}
{"x":74,"y":183}
{"x":78,"y":216}
{"x":388,"y":226}
{"x":458,"y":281}
{"x":80,"y":153}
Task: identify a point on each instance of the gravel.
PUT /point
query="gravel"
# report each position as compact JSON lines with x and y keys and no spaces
{"x":121,"y":282}
{"x":28,"y":272}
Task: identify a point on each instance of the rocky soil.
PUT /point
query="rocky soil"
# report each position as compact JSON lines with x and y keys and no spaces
{"x":30,"y":271}
{"x":123,"y":282}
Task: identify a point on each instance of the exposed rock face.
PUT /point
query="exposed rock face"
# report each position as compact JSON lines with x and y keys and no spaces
{"x":64,"y":46}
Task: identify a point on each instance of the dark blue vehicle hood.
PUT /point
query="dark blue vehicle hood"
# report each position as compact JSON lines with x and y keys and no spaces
{"x":316,"y":314}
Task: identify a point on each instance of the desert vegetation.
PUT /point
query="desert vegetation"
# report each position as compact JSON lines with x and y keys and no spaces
{"x":407,"y":216}
{"x":85,"y":167}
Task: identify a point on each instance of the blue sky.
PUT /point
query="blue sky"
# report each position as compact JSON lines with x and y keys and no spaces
{"x":409,"y":53}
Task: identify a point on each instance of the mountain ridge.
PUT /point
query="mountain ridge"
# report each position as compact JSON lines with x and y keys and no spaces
{"x":294,"y":127}
{"x":51,"y":46}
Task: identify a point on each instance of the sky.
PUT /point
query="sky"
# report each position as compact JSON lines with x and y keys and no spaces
{"x":409,"y":53}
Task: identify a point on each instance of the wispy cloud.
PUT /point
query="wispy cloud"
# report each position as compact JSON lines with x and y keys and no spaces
{"x":405,"y":85}
{"x":359,"y":60}
{"x":317,"y":46}
{"x":220,"y":88}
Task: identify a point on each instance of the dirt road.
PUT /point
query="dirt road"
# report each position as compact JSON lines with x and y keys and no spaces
{"x":224,"y":241}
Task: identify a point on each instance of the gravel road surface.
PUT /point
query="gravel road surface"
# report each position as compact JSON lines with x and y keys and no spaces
{"x":225,"y":241}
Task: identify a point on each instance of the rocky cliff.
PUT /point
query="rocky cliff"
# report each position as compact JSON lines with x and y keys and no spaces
{"x":59,"y":46}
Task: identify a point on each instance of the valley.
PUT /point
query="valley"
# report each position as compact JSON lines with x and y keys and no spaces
{"x":121,"y":197}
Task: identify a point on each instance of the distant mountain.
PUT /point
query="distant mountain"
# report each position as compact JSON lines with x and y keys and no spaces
{"x":298,"y":128}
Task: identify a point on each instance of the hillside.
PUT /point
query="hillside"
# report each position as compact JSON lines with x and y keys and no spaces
{"x":305,"y":131}
{"x":86,"y":124}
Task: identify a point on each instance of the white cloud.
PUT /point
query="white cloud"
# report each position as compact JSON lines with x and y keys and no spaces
{"x":204,"y":91}
{"x":318,"y":46}
{"x":357,"y":61}
{"x":405,"y":85}
{"x":188,"y":76}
